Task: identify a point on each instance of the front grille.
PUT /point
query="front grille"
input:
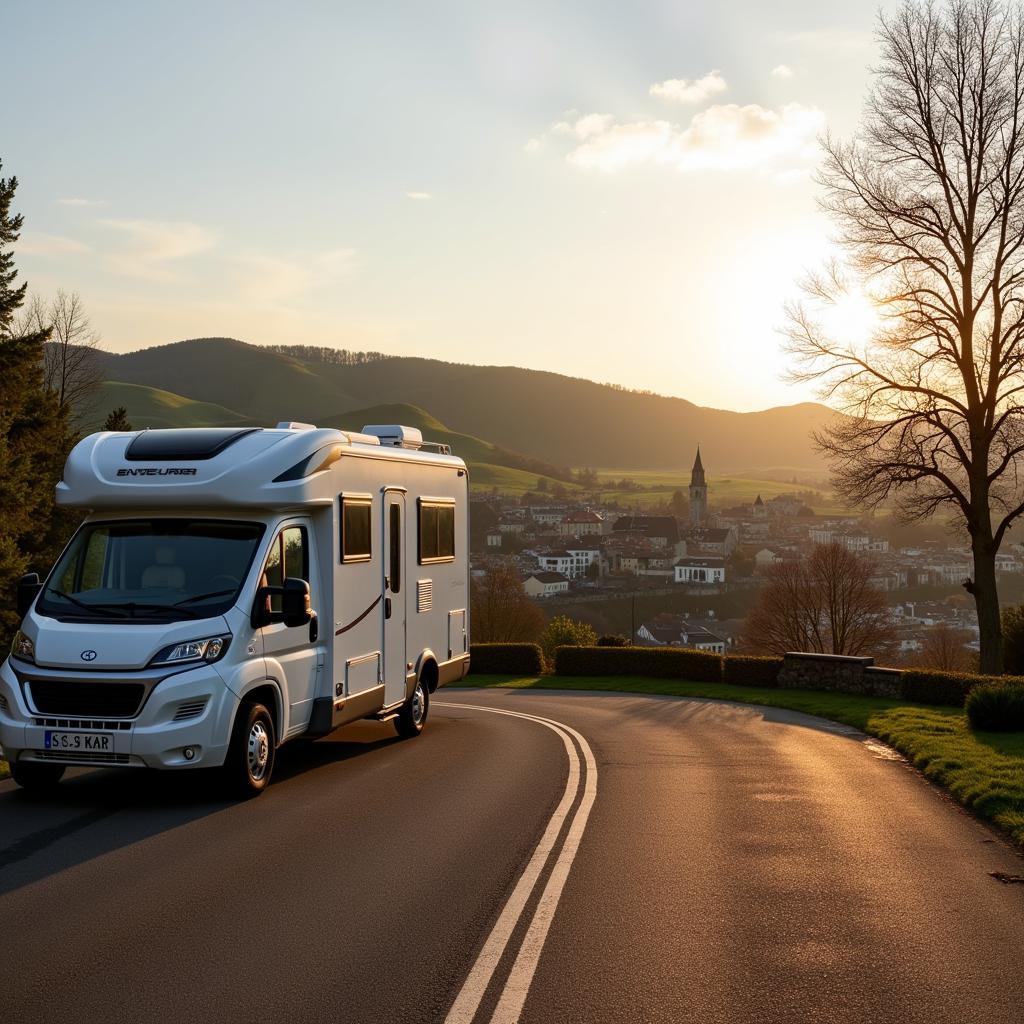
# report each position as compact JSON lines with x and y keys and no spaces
{"x":90,"y":700}
{"x":81,"y":758}
{"x":190,"y":709}
{"x":83,"y":723}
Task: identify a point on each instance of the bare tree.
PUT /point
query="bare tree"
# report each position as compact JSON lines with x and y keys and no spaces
{"x":826,"y":604}
{"x":928,"y":199}
{"x":71,"y":365}
{"x":502,"y":612}
{"x":944,"y":647}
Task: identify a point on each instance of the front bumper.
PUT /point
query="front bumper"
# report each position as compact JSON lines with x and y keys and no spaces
{"x":157,"y":737}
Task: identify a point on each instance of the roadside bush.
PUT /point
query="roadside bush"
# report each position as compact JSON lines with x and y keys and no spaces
{"x":748,"y":670}
{"x":1013,"y":639}
{"x":612,"y":640}
{"x":996,"y":707}
{"x":505,"y":659}
{"x":562,"y":631}
{"x":654,"y":662}
{"x":924,"y":686}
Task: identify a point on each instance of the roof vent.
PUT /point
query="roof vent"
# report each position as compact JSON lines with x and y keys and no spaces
{"x":395,"y":435}
{"x":290,"y":425}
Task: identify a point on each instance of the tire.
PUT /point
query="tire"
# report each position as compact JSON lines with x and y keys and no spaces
{"x":250,"y":760}
{"x":36,"y":777}
{"x":413,"y":714}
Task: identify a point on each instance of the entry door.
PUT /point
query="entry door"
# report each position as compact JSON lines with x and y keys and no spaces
{"x":395,"y":589}
{"x":293,"y":647}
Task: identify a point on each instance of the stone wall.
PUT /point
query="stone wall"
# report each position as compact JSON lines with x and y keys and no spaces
{"x":838,"y":673}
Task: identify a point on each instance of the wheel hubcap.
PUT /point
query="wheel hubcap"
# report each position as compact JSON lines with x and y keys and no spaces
{"x":419,"y":701}
{"x":259,"y":750}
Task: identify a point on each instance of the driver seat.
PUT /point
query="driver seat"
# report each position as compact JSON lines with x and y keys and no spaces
{"x":164,"y":575}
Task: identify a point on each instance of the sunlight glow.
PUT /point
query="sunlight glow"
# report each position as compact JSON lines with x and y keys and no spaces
{"x":850,"y":320}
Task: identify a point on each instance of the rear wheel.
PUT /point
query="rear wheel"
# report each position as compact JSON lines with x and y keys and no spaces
{"x":250,"y":760}
{"x":36,"y":777}
{"x":413,"y":714}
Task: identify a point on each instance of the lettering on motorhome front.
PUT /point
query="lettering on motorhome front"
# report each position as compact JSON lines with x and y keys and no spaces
{"x":159,"y":471}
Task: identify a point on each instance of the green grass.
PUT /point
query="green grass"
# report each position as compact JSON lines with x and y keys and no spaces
{"x":151,"y":407}
{"x":983,"y":771}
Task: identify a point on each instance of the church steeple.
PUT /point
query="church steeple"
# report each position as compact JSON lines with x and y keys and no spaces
{"x":697,"y":474}
{"x":698,"y":494}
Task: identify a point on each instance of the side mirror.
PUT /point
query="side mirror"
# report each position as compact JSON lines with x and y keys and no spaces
{"x":28,"y":590}
{"x":295,"y":606}
{"x":261,"y":614}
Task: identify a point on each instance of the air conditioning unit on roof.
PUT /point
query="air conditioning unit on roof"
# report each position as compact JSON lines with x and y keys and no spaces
{"x":395,"y":435}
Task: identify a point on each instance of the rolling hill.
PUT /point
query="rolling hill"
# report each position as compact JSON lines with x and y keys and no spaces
{"x":558,"y":420}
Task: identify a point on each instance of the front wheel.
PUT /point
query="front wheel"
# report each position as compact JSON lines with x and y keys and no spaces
{"x":413,"y":714}
{"x":250,"y":760}
{"x":36,"y":777}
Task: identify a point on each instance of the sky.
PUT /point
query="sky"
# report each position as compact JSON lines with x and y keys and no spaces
{"x":615,"y":191}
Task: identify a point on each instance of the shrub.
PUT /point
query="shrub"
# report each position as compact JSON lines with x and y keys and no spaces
{"x":654,"y":662}
{"x":1013,"y":639}
{"x":612,"y":640}
{"x":747,"y":670}
{"x":996,"y":707}
{"x":562,"y":631}
{"x":924,"y":686}
{"x":506,"y":659}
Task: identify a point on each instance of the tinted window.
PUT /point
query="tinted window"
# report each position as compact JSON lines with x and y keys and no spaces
{"x":355,"y":530}
{"x":395,"y":553}
{"x":288,"y":557}
{"x":437,"y":531}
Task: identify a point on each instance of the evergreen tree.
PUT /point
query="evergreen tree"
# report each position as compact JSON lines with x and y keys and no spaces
{"x":34,"y":434}
{"x":117,"y":419}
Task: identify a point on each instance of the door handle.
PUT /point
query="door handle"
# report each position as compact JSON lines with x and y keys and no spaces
{"x":387,"y":607}
{"x":314,"y":628}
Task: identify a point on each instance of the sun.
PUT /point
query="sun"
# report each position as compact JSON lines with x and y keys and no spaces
{"x":851,"y":320}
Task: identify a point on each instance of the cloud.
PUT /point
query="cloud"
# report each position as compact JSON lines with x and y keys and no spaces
{"x":272,"y":281}
{"x":82,"y":202}
{"x":583,"y":127}
{"x":151,"y":245}
{"x":682,"y":90}
{"x":38,"y":244}
{"x":418,"y":195}
{"x":724,"y":137}
{"x":532,"y":145}
{"x":783,"y":71}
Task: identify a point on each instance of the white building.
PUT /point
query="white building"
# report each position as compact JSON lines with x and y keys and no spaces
{"x":700,"y":570}
{"x":545,"y":584}
{"x":572,"y":563}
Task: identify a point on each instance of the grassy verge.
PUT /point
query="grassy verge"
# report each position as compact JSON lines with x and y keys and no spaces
{"x":4,"y":770}
{"x":982,"y":771}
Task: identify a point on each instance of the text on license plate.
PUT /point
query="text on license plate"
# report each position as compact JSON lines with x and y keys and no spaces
{"x":82,"y":742}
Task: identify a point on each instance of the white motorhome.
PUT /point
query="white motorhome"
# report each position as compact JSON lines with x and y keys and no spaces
{"x":231,"y":589}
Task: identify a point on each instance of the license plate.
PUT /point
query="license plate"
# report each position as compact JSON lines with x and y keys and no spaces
{"x":80,"y":742}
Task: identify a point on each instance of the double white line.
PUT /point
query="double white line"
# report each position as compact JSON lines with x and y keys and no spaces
{"x":513,"y":996}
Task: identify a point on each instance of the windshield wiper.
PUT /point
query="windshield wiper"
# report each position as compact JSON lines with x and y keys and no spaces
{"x":203,"y":597}
{"x":92,"y":609}
{"x":132,"y":607}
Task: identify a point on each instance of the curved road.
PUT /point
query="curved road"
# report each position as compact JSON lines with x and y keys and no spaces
{"x":737,"y":865}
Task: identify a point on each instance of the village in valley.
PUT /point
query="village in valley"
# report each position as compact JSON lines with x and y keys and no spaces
{"x":687,"y":573}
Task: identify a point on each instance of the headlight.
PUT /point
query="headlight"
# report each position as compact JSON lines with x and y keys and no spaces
{"x":22,"y":647}
{"x":211,"y":649}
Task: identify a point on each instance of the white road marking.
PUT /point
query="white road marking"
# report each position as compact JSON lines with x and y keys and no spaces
{"x":510,"y":1005}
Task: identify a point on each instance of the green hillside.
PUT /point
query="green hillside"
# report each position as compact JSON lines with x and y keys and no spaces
{"x":559,"y":420}
{"x":474,"y":450}
{"x":152,"y":407}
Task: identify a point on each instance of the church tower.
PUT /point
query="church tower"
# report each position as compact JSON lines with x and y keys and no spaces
{"x":698,"y":494}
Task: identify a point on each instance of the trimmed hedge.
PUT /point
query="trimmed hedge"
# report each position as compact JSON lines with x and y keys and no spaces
{"x":750,"y":670}
{"x":924,"y":686}
{"x":505,"y":659}
{"x":654,"y":662}
{"x":997,"y":707}
{"x":612,"y":640}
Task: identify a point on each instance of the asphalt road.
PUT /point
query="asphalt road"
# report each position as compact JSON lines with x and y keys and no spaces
{"x":737,"y":865}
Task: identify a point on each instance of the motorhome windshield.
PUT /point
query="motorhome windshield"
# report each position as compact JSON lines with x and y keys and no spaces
{"x":152,"y":569}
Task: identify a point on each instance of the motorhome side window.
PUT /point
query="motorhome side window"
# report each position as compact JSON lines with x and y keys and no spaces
{"x":355,"y":528}
{"x":289,"y":556}
{"x":437,"y":531}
